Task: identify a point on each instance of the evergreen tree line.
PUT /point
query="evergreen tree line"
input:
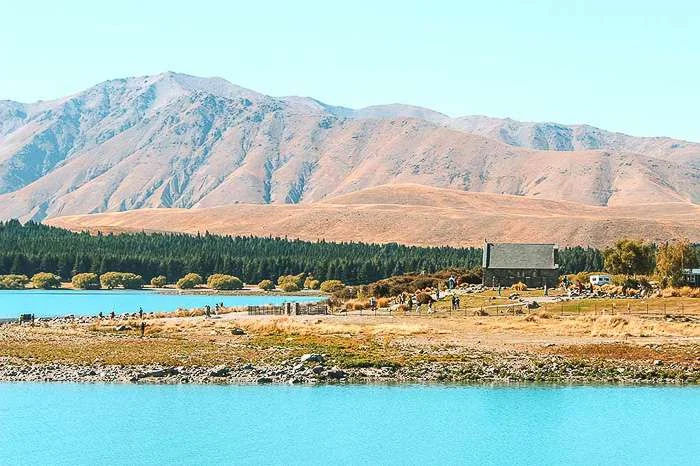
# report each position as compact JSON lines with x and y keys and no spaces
{"x":33,"y":247}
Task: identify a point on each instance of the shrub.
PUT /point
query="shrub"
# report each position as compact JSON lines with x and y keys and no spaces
{"x":159,"y":282}
{"x":220,"y":281}
{"x":298,"y":280}
{"x":126,"y":280}
{"x":13,"y":282}
{"x":86,"y":281}
{"x":311,"y":283}
{"x":266,"y":285}
{"x":45,"y":280}
{"x":289,"y":286}
{"x":332,"y":286}
{"x":520,"y":286}
{"x":189,"y":281}
{"x":110,"y":280}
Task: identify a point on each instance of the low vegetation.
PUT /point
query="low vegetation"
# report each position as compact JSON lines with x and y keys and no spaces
{"x":266,"y":285}
{"x":13,"y":282}
{"x":126,"y":280}
{"x":46,"y":281}
{"x":220,"y":281}
{"x":189,"y":281}
{"x":86,"y":281}
{"x":159,"y":282}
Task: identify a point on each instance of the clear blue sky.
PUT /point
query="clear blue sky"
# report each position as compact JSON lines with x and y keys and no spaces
{"x":631,"y":66}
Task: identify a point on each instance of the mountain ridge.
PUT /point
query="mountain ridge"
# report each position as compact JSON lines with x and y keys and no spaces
{"x":175,"y":140}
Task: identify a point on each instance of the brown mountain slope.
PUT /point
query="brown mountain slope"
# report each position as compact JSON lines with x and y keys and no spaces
{"x":416,"y":215}
{"x":174,"y":140}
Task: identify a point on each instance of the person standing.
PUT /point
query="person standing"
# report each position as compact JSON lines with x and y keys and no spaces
{"x":143,"y":328}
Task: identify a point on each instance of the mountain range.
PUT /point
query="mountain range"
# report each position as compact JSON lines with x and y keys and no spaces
{"x":178,"y":141}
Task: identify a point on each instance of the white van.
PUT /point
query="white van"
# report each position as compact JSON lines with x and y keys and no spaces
{"x":600,"y":280}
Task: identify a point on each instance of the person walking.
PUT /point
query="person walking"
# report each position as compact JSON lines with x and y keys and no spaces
{"x":143,"y":328}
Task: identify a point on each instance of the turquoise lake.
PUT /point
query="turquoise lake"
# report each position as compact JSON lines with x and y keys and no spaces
{"x":65,"y":302}
{"x":127,"y":424}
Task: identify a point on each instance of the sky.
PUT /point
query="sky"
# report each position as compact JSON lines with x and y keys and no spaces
{"x":629,"y":66}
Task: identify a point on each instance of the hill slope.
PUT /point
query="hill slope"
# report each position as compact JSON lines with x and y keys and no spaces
{"x":418,"y":215}
{"x":173,"y":140}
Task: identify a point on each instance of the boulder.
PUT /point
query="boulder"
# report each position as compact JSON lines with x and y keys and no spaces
{"x":122,"y":328}
{"x":165,"y":372}
{"x":237,"y":331}
{"x":219,"y":371}
{"x":312,"y":358}
{"x":336,"y":374}
{"x":264,"y":380}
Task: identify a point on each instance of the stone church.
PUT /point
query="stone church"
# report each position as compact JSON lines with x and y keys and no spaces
{"x":505,"y":264}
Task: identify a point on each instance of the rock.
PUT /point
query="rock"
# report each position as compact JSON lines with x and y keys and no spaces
{"x":298,"y":367}
{"x":264,"y":380}
{"x":159,"y":373}
{"x":336,"y":374}
{"x":219,"y":371}
{"x":122,"y":328}
{"x":247,"y":367}
{"x":658,"y":362}
{"x":237,"y":331}
{"x":318,"y":369}
{"x":312,"y":358}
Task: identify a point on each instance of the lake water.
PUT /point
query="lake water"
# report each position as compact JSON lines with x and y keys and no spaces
{"x":126,"y":424}
{"x":64,"y":302}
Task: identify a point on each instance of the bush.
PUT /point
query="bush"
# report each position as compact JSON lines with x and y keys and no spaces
{"x":86,"y":281}
{"x":311,"y":283}
{"x":220,"y":281}
{"x":13,"y":282}
{"x":189,"y":281}
{"x":332,"y":286}
{"x":127,"y":280}
{"x":520,"y":286}
{"x":159,"y":282}
{"x":298,"y":280}
{"x":289,"y":286}
{"x":266,"y":285}
{"x":45,"y":280}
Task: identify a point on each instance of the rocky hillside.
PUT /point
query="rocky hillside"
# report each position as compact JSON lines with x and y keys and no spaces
{"x":173,"y":140}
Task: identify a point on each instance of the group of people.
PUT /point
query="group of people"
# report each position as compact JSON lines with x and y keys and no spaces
{"x":217,"y":308}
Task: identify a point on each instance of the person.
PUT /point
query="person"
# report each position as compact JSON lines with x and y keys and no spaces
{"x":499,"y":290}
{"x":143,"y":328}
{"x":100,"y":315}
{"x":454,"y":302}
{"x":112,"y":315}
{"x":430,"y":306}
{"x":140,"y":313}
{"x":437,"y":292}
{"x":545,"y":290}
{"x":457,"y":303}
{"x":409,"y":303}
{"x":207,"y":310}
{"x":373,"y":303}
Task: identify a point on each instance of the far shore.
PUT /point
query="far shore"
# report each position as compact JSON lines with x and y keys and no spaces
{"x":246,"y":291}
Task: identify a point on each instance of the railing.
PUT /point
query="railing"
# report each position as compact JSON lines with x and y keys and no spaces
{"x":289,"y":309}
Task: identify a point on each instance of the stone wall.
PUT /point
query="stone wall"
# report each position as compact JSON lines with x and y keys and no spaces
{"x":533,"y":278}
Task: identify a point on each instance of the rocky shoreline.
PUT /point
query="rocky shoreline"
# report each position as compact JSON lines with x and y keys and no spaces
{"x":312,"y":369}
